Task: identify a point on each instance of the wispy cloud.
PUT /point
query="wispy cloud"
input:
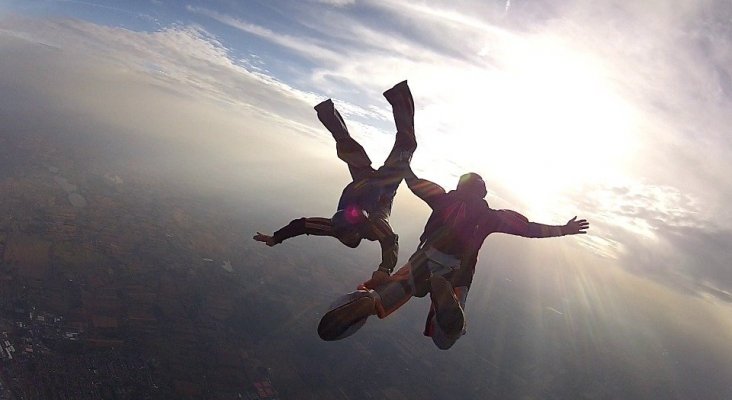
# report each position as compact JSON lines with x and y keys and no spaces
{"x":336,"y":3}
{"x":305,"y":48}
{"x":186,"y":57}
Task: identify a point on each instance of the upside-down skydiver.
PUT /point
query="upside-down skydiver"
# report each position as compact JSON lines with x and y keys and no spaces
{"x":365,"y":204}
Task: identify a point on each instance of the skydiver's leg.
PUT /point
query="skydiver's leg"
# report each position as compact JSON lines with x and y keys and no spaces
{"x":390,"y":175}
{"x":449,"y":313}
{"x":442,"y":339}
{"x":409,"y":281}
{"x":349,"y":312}
{"x":349,"y":150}
{"x":402,"y":104}
{"x":422,"y":275}
{"x":393,"y":294}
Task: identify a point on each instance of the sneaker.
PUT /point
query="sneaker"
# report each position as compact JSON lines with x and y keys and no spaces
{"x":449,"y":314}
{"x":336,"y":323}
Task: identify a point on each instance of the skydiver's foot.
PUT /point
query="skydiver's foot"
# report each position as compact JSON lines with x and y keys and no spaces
{"x":396,"y":90}
{"x":336,"y":322}
{"x":325,"y":106}
{"x":402,"y":105}
{"x":450,"y":316}
{"x":332,"y":120}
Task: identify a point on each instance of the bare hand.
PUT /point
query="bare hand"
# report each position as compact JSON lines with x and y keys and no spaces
{"x":575,"y":226}
{"x":378,"y":278}
{"x":267,"y":239}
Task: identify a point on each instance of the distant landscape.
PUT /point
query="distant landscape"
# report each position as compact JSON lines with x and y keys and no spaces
{"x":145,"y":291}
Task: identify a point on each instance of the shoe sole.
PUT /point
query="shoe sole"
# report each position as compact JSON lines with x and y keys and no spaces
{"x":449,"y":314}
{"x":336,"y":322}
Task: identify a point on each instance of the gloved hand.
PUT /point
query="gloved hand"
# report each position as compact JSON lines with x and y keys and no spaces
{"x":378,"y":278}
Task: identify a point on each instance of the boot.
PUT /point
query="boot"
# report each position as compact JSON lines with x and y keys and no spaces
{"x":347,"y":315}
{"x":448,"y":313}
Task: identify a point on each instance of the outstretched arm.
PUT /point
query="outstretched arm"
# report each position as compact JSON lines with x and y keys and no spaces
{"x":302,"y":226}
{"x":422,"y":188}
{"x":514,"y":223}
{"x":572,"y":227}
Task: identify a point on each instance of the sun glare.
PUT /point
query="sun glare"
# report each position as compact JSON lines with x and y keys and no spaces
{"x":546,"y":121}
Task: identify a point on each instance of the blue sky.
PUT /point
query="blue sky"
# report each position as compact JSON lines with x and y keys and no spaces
{"x":615,"y":111}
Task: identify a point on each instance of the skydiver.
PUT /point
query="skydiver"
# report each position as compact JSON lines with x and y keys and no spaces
{"x":443,"y":264}
{"x":365,"y":204}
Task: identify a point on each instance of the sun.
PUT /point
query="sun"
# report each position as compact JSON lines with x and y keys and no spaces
{"x":547,"y":122}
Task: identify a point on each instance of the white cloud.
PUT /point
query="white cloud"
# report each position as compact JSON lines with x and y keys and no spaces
{"x":304,"y":48}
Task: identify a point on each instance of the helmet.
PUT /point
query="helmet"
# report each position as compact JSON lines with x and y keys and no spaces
{"x":347,"y":224}
{"x":473,"y":184}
